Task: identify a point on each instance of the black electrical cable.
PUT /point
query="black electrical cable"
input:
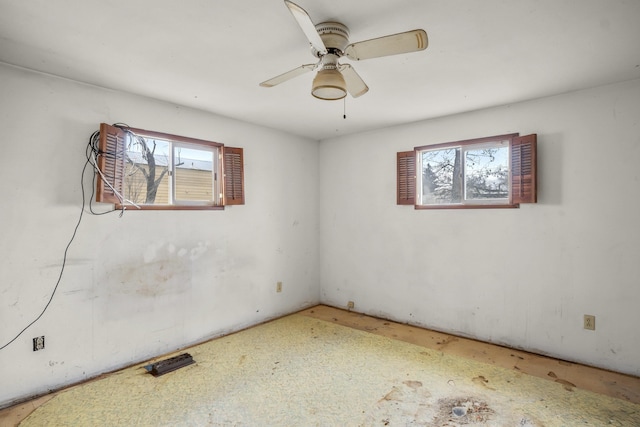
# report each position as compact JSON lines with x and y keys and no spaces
{"x":90,"y":146}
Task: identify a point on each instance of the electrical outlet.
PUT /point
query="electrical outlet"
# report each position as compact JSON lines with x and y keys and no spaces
{"x":279,"y":287}
{"x":350,"y":305}
{"x":590,"y":322}
{"x":38,"y":343}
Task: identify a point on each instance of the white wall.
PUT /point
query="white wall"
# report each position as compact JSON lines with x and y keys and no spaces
{"x":150,"y":282}
{"x":521,"y":277}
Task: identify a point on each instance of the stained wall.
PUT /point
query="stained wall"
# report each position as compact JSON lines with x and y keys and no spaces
{"x":519,"y":277}
{"x":146,"y":283}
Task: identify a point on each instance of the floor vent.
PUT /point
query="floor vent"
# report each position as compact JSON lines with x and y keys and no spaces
{"x":171,"y":364}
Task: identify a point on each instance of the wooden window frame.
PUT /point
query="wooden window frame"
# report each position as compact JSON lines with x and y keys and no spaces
{"x":111,"y":162}
{"x":522,"y":170}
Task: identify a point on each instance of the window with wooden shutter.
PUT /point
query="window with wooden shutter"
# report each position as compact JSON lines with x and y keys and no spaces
{"x":154,"y":170}
{"x":406,"y":180}
{"x":523,"y":169}
{"x":111,"y":162}
{"x":490,"y":172}
{"x":233,"y":176}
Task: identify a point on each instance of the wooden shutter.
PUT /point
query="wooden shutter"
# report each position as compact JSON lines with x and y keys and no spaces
{"x":523,"y":169}
{"x":233,"y":176}
{"x":406,"y":164}
{"x":111,"y":161}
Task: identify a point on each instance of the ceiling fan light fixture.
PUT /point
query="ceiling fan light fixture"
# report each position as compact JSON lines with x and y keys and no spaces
{"x":329,"y":85}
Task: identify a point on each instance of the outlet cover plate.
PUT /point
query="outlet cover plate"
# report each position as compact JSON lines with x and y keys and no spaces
{"x":38,"y":343}
{"x":590,"y":322}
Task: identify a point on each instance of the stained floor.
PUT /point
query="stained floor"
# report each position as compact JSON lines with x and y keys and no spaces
{"x":307,"y":369}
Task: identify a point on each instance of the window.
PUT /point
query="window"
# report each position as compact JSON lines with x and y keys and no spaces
{"x":153,"y":170}
{"x":498,"y":171}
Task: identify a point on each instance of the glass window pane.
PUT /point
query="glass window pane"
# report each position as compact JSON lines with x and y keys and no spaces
{"x":441,"y":176}
{"x":194,"y":174}
{"x":487,"y":173}
{"x":146,"y":178}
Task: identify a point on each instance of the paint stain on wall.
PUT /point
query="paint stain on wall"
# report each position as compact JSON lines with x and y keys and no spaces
{"x":162,"y":269}
{"x":162,"y":276}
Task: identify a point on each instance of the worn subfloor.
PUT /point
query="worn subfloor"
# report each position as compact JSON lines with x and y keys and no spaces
{"x":325,"y":367}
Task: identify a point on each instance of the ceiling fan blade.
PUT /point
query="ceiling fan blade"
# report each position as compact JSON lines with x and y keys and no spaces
{"x":411,"y":41}
{"x":355,"y":85}
{"x":309,"y":29}
{"x":288,"y":75}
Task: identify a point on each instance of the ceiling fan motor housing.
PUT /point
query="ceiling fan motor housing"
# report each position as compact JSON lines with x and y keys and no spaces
{"x":335,"y":37}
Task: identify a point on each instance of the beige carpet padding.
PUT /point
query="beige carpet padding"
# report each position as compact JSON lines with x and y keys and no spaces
{"x":300,"y":371}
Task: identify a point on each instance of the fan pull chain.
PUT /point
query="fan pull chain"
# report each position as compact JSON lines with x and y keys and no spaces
{"x":344,"y":114}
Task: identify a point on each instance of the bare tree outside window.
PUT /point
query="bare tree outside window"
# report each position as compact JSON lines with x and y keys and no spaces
{"x":442,"y":178}
{"x":486,"y":174}
{"x":147,"y":165}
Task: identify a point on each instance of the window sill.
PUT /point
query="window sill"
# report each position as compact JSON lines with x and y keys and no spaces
{"x":131,"y":208}
{"x":507,"y":206}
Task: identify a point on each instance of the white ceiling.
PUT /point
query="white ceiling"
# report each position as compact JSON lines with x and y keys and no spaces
{"x":212,"y":54}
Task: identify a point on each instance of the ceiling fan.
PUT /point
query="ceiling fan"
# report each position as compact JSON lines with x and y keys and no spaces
{"x":329,"y":42}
